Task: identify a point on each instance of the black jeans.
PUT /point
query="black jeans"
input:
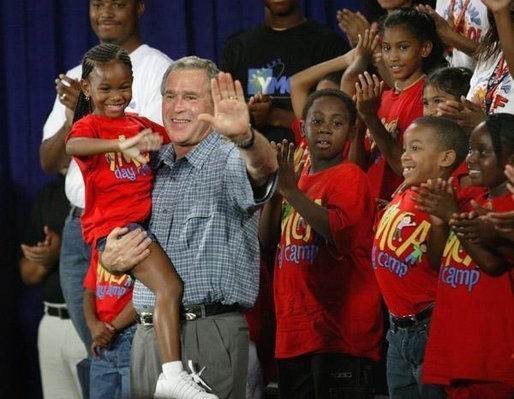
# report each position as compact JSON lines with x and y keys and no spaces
{"x":325,"y":376}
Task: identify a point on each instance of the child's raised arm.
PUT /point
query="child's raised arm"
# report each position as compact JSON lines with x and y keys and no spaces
{"x":302,"y":82}
{"x":133,"y":147}
{"x":368,"y":92}
{"x":447,"y":33}
{"x":315,"y":215}
{"x":366,"y":46}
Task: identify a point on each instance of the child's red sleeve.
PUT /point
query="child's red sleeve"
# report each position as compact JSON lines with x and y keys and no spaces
{"x":350,"y":210}
{"x":90,"y":279}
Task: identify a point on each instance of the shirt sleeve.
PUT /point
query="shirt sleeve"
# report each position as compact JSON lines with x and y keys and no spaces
{"x":349,"y":209}
{"x":239,"y":188}
{"x":82,"y":128}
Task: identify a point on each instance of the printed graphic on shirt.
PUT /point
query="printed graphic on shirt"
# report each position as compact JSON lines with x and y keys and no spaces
{"x":109,"y":285}
{"x":465,"y":19}
{"x":493,"y":93}
{"x":125,"y":167}
{"x":301,"y":244}
{"x":400,"y":241}
{"x":372,"y":147}
{"x":269,"y":80}
{"x":457,"y":267}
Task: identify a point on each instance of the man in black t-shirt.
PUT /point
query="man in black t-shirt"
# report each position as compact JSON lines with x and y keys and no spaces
{"x":264,"y":59}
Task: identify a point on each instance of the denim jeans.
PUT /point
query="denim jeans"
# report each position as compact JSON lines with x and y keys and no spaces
{"x":110,"y":374}
{"x":73,"y":265}
{"x":405,"y":361}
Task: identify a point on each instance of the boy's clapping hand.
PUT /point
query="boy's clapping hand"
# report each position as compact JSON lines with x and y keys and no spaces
{"x":473,"y":228}
{"x":436,"y":197}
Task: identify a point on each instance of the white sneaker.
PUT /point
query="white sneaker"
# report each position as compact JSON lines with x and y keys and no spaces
{"x":182,"y":387}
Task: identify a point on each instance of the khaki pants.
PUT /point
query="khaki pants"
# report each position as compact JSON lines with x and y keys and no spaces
{"x":219,"y":343}
{"x":60,"y":350}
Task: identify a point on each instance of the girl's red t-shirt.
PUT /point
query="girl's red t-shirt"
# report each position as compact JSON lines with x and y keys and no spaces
{"x":118,"y":189}
{"x":472,"y":328}
{"x":396,"y":112}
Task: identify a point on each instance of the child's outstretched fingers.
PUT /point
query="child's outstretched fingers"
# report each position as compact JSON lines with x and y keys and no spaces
{"x":481,"y":210}
{"x":502,"y":221}
{"x":374,"y":40}
{"x":287,"y":180}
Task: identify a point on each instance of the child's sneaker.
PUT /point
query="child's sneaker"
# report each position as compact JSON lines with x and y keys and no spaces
{"x":181,"y":387}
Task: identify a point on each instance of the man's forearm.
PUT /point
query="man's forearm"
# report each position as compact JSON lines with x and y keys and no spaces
{"x":52,"y":151}
{"x":260,"y":159}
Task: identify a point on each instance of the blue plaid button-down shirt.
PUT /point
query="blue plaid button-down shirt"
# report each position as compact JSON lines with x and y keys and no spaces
{"x":205,"y":217}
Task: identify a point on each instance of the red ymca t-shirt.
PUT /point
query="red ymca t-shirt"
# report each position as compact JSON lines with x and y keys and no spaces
{"x":407,"y":281}
{"x":326,"y":297}
{"x":472,"y":328}
{"x":118,"y":189}
{"x":113,"y":293}
{"x":397,"y":111}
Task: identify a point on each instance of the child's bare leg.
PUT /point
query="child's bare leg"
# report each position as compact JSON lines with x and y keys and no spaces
{"x":158,"y":274}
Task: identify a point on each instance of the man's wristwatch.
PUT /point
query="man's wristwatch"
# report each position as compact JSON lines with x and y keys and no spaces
{"x":248,"y":143}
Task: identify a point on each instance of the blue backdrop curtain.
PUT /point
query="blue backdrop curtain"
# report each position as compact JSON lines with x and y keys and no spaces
{"x":38,"y":40}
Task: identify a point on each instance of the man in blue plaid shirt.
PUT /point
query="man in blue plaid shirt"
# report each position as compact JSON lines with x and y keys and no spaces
{"x":209,"y":184}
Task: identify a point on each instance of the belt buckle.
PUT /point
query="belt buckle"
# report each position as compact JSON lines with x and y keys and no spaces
{"x":189,"y":316}
{"x":399,"y":321}
{"x":144,"y":318}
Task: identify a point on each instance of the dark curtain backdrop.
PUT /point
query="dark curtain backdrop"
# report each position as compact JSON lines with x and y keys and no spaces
{"x":38,"y":40}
